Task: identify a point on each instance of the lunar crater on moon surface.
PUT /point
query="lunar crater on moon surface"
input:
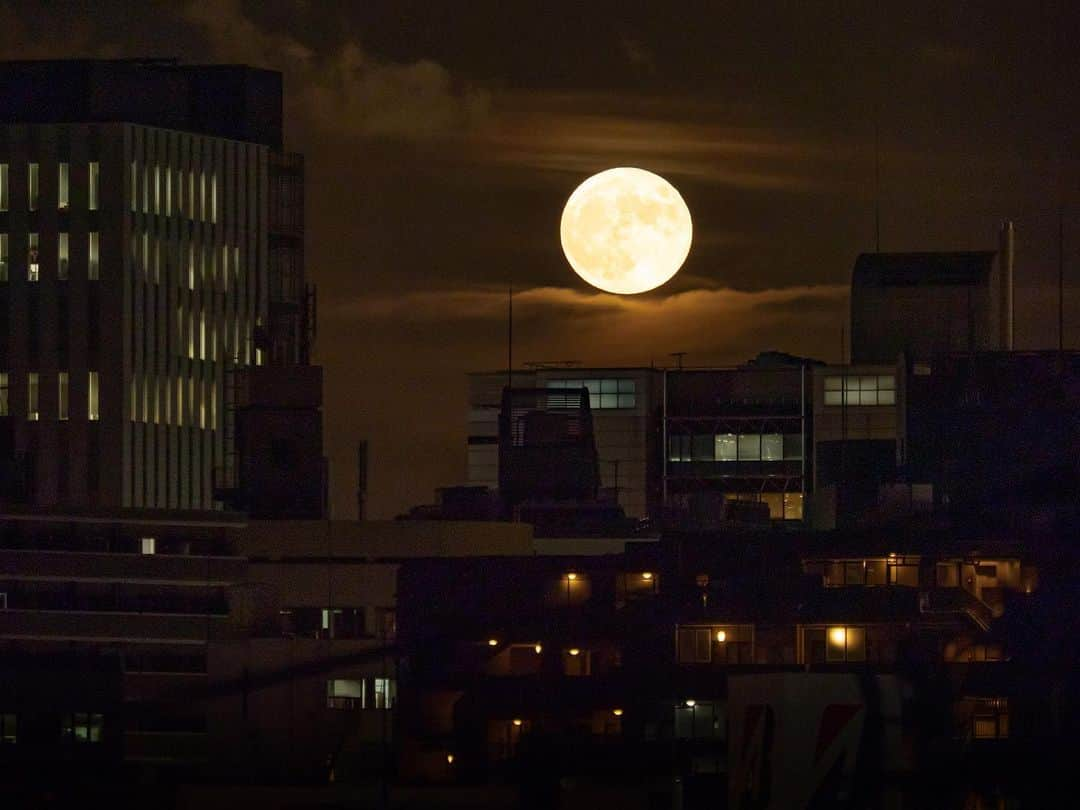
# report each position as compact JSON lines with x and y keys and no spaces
{"x":626,"y":230}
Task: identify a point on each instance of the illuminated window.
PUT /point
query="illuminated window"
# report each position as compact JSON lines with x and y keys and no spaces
{"x":33,"y":186}
{"x":385,"y":693}
{"x":861,"y":389}
{"x":3,"y":187}
{"x":32,"y":381}
{"x":92,"y":396}
{"x":4,"y":394}
{"x":9,"y":728}
{"x":93,"y":260}
{"x":82,"y":727}
{"x":94,"y":176}
{"x":3,"y":257}
{"x":903,"y":573}
{"x":772,"y":447}
{"x":63,"y":192}
{"x":146,"y":189}
{"x":168,"y":192}
{"x":343,"y":693}
{"x":62,"y":256}
{"x":157,"y":189}
{"x":749,"y":447}
{"x":134,"y":186}
{"x":148,"y":545}
{"x":990,"y":719}
{"x":213,"y":198}
{"x":62,"y":395}
{"x":604,"y":394}
{"x":727,"y":447}
{"x":361,"y":693}
{"x":845,"y":644}
{"x":793,"y":506}
{"x":33,"y":265}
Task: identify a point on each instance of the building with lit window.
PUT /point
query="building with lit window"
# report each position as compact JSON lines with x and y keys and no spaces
{"x":737,"y":435}
{"x":150,"y":246}
{"x":857,"y":661}
{"x":855,"y":452}
{"x":114,"y":616}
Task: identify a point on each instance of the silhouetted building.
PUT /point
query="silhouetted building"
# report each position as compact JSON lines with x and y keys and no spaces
{"x":546,"y":447}
{"x":921,"y":304}
{"x":139,"y":595}
{"x":150,"y":243}
{"x":273,"y":422}
{"x":996,"y":432}
{"x":624,"y":403}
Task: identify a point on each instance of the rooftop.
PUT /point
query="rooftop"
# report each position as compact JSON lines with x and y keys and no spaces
{"x":237,"y":102}
{"x":911,"y":269}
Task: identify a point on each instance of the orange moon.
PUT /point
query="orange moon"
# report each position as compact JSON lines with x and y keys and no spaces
{"x":626,"y":231}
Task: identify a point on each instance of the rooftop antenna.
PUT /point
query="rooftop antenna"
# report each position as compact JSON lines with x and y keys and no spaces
{"x":1061,"y":278}
{"x":510,"y":336}
{"x":877,"y":132}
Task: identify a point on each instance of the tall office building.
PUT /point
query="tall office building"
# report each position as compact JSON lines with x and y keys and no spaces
{"x":150,"y":246}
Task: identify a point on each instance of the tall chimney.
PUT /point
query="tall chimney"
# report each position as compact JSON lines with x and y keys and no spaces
{"x":1006,"y":250}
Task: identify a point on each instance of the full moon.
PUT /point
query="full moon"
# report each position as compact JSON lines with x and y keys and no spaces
{"x":626,"y":230}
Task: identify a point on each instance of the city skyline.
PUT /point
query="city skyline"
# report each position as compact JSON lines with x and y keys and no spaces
{"x":438,"y":166}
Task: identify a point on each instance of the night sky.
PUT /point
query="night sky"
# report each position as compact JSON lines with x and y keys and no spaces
{"x":442,"y":140}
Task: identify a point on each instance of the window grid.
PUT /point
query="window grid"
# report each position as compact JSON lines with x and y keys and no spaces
{"x":83,"y":727}
{"x":861,"y":389}
{"x":604,"y":394}
{"x":730,"y":447}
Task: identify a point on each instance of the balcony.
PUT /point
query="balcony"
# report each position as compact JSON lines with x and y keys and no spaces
{"x":69,"y":625}
{"x":143,"y":568}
